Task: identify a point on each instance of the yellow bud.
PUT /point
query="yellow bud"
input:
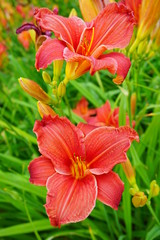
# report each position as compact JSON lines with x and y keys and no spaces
{"x":33,"y":35}
{"x":33,"y":89}
{"x":90,"y":8}
{"x":133,"y":103}
{"x":142,"y":47}
{"x":139,"y":199}
{"x":58,"y":64}
{"x":46,"y":77}
{"x":61,"y":89}
{"x":45,"y":110}
{"x":73,"y":13}
{"x":133,"y":191}
{"x":129,"y":171}
{"x":154,"y":189}
{"x":54,"y":83}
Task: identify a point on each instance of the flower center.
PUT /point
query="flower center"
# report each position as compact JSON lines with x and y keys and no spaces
{"x":86,"y":44}
{"x":78,"y":167}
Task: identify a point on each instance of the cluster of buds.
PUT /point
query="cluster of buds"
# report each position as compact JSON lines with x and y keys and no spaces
{"x":139,"y":198}
{"x":44,"y":100}
{"x":146,"y":39}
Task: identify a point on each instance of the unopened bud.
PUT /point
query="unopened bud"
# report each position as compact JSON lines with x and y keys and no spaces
{"x":45,"y":110}
{"x":133,"y":103}
{"x":58,"y":64}
{"x":61,"y":89}
{"x":73,"y":13}
{"x":129,"y":171}
{"x":33,"y":89}
{"x":139,"y":199}
{"x":142,"y":47}
{"x":154,"y":189}
{"x":133,"y":191}
{"x":46,"y":77}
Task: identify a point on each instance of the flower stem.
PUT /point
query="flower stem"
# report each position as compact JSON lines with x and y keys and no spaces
{"x":152,"y":212}
{"x":99,"y":81}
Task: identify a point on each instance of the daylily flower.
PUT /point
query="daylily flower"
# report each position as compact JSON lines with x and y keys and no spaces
{"x":82,"y":109}
{"x":82,"y":44}
{"x":107,"y":117}
{"x":76,"y":167}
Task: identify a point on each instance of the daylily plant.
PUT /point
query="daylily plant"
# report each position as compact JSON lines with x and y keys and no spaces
{"x":76,"y":167}
{"x":82,"y":44}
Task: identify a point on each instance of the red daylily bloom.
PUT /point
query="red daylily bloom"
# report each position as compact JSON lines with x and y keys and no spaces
{"x":107,"y":117}
{"x":82,"y":109}
{"x":82,"y":44}
{"x":77,"y":168}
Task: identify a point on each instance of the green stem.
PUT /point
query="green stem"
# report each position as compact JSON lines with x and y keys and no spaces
{"x":69,"y":108}
{"x":129,"y":102}
{"x":152,"y":212}
{"x":30,"y":220}
{"x":99,"y":81}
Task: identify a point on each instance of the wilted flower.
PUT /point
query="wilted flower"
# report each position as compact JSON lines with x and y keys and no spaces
{"x":77,"y":167}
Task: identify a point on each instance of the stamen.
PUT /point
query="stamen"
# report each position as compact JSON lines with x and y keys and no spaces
{"x":86,"y":46}
{"x":78,"y":167}
{"x":92,"y":37}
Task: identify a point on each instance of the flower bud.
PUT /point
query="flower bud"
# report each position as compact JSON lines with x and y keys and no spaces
{"x":133,"y":191}
{"x":33,"y":89}
{"x":46,"y":77}
{"x":61,"y":89}
{"x":45,"y":110}
{"x":139,"y":199}
{"x":133,"y":103}
{"x":154,"y":189}
{"x":58,"y":64}
{"x":90,"y":9}
{"x":129,"y":171}
{"x":73,"y":13}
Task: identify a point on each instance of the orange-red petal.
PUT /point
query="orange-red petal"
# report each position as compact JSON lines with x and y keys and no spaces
{"x":107,"y":146}
{"x":123,"y":64}
{"x":86,"y":128}
{"x":113,"y":28}
{"x":110,"y":189}
{"x":67,"y":29}
{"x":51,"y":49}
{"x":40,"y":170}
{"x":104,"y":113}
{"x":59,"y":140}
{"x":70,"y":200}
{"x":104,"y":62}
